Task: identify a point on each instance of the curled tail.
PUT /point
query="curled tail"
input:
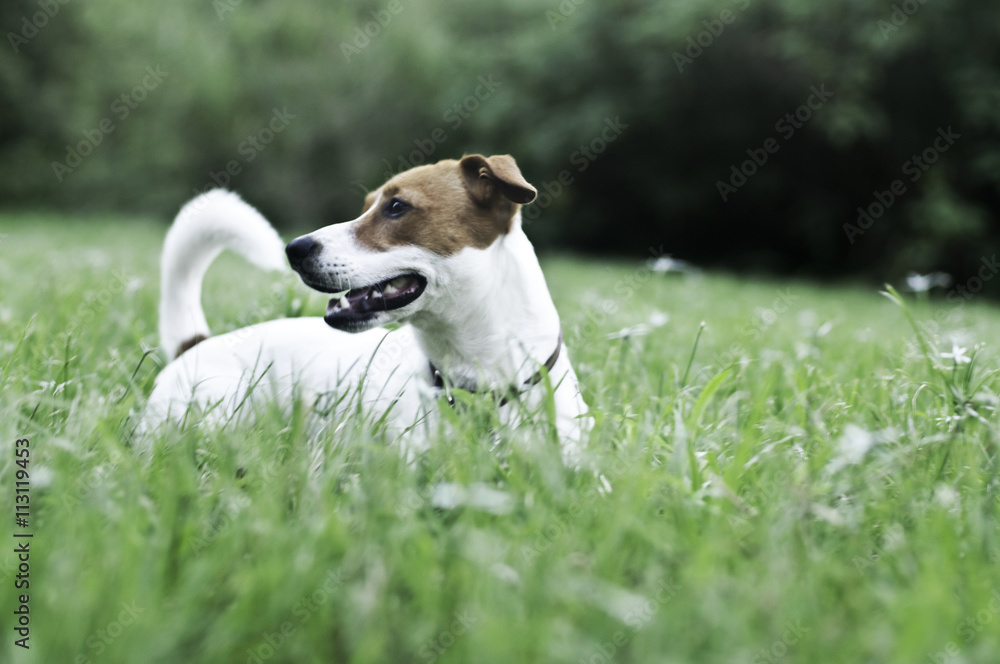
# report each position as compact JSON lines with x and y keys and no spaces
{"x":214,"y":221}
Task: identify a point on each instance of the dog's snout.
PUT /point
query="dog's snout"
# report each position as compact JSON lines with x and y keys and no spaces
{"x":300,"y":249}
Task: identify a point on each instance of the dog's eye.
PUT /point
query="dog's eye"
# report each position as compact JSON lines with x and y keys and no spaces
{"x":396,"y":208}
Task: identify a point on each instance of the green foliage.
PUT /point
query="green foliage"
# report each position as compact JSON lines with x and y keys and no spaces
{"x":694,"y":86}
{"x":818,"y":484}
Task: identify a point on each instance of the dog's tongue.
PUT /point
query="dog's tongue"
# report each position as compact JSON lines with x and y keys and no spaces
{"x":359,"y":301}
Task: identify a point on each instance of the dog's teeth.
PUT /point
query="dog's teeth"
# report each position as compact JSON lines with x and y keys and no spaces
{"x":343,"y":303}
{"x":376,"y":294}
{"x":395,"y":285}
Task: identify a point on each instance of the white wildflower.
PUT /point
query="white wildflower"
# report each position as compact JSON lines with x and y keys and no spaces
{"x":957,"y":354}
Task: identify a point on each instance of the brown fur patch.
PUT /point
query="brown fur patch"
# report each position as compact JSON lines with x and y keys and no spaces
{"x":369,"y":200}
{"x":190,"y":343}
{"x":455,"y":204}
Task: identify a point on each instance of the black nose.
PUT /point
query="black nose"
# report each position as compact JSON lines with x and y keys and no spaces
{"x":300,"y":249}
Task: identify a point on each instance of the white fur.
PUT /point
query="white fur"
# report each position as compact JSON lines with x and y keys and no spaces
{"x":208,"y":224}
{"x":486,"y":320}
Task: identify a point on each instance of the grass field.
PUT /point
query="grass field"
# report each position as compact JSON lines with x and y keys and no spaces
{"x":819,"y":486}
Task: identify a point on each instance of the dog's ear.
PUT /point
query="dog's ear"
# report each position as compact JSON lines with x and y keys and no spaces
{"x":488,"y":177}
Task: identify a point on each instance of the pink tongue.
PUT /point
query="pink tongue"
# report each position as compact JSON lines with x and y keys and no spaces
{"x":352,"y":298}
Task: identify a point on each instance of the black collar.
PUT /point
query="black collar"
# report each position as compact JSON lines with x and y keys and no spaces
{"x":513,"y":390}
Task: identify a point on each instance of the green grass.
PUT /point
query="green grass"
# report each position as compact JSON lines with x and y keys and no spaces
{"x":820,"y":485}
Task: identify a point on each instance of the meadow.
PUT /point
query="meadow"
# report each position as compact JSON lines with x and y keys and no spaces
{"x":779,"y":472}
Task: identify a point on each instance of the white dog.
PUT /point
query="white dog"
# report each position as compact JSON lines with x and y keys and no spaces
{"x":439,"y":247}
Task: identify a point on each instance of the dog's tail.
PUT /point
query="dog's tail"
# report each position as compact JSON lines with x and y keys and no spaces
{"x":214,"y":221}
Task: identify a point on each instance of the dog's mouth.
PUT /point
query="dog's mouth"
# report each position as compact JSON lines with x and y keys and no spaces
{"x":356,"y":307}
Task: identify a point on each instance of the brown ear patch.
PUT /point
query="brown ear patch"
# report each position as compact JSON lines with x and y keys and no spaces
{"x":450,"y":205}
{"x":488,"y":177}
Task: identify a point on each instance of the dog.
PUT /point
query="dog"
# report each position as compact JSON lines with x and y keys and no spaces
{"x":438,"y":250}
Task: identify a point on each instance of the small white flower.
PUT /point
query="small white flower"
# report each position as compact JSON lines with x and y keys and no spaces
{"x":639,"y":330}
{"x":921,"y":283}
{"x":506,"y":573}
{"x":957,"y":354}
{"x":666,"y":264}
{"x":658,"y":319}
{"x":947,"y":497}
{"x":476,"y":496}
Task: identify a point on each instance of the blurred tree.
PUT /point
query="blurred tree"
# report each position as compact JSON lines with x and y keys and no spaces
{"x":754,"y":134}
{"x":42,"y":41}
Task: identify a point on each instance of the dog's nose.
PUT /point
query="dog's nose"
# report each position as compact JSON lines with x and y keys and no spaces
{"x":300,"y":249}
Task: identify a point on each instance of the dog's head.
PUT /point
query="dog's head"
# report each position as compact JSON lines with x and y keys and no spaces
{"x":387,"y":264}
